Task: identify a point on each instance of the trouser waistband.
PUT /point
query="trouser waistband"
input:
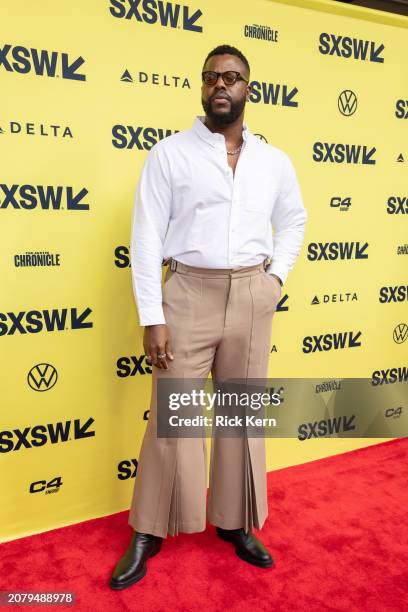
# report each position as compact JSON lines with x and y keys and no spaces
{"x":216,"y":272}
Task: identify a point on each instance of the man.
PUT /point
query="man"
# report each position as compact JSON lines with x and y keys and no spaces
{"x":207,"y":200}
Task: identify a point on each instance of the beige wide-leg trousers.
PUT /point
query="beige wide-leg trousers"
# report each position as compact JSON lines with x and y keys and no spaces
{"x":220,"y":321}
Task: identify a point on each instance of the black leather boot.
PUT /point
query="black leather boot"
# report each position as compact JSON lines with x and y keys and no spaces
{"x":132,"y":566}
{"x":247,"y":546}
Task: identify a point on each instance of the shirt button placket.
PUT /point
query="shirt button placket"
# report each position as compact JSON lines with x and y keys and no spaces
{"x":233,"y":231}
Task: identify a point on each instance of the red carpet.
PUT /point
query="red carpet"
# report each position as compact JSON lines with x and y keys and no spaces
{"x":337,"y":529}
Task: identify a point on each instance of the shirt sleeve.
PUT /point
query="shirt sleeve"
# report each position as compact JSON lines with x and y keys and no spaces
{"x":288,"y":221}
{"x":151,"y":213}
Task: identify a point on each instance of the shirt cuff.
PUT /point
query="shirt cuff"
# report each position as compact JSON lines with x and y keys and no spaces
{"x":279,"y":269}
{"x":154,"y":316}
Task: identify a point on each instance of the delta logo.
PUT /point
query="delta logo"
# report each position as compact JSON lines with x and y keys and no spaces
{"x":343,"y":153}
{"x":38,"y":129}
{"x":351,"y":48}
{"x":44,"y":197}
{"x":166,"y":14}
{"x":41,"y":62}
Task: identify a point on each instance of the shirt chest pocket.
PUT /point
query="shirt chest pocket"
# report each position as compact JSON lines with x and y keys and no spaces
{"x":199,"y":186}
{"x":259,"y":195}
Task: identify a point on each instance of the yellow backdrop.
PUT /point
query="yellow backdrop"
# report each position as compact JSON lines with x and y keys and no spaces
{"x":87,"y":88}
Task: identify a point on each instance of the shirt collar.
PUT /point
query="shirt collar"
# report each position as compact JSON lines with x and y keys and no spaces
{"x":214,"y":138}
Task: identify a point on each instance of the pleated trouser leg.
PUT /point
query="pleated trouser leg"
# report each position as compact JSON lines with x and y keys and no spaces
{"x":238,"y":486}
{"x":219,"y":322}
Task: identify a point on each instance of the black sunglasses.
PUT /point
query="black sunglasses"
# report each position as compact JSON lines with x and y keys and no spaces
{"x":229,"y":77}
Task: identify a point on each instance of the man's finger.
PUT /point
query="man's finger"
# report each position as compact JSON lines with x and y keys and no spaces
{"x":169,"y":352}
{"x":153,"y":353}
{"x":162,"y":360}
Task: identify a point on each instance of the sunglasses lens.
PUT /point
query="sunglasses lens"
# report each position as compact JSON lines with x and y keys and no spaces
{"x":210,"y":78}
{"x":229,"y":78}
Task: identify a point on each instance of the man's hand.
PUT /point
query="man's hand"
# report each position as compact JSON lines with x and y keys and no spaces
{"x":156,"y":341}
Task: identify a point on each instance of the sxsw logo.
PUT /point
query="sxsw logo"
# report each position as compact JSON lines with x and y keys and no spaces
{"x":273,"y":93}
{"x":42,"y":62}
{"x":397,"y":205}
{"x":35,"y":321}
{"x":122,"y":257}
{"x":389,"y":376}
{"x":131,"y":366}
{"x":326,"y":427}
{"x":40,"y":435}
{"x":331,"y":251}
{"x":339,"y":153}
{"x":347,"y":47}
{"x":167,"y":14}
{"x":143,"y":138}
{"x":398,"y":293}
{"x":127,"y":469}
{"x":282,"y":305}
{"x":331,"y":341}
{"x":45,"y":197}
{"x":401,"y":109}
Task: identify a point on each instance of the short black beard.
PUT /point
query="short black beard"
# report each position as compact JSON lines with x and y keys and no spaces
{"x":236,"y":108}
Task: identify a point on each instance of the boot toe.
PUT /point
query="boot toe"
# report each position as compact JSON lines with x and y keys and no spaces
{"x":123,"y":576}
{"x":132,"y":566}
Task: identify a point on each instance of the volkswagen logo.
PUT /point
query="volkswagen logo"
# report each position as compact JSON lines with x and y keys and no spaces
{"x":347,"y":102}
{"x":42,"y":377}
{"x":261,"y":137}
{"x":400,"y":333}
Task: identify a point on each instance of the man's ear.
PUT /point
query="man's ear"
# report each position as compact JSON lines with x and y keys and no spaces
{"x":249,"y":90}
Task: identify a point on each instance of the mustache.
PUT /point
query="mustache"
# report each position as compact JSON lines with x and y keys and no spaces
{"x":221,"y":95}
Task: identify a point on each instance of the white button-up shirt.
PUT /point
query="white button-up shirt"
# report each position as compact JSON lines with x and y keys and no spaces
{"x":189,"y":205}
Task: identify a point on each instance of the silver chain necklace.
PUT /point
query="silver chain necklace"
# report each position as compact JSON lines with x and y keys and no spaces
{"x":235,"y":151}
